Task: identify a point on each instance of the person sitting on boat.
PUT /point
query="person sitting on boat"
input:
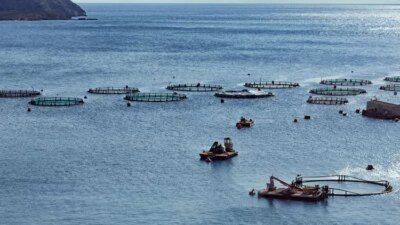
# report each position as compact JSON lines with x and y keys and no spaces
{"x":242,"y":119}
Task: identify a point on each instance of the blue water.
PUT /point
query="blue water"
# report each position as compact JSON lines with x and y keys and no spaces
{"x":105,"y":163}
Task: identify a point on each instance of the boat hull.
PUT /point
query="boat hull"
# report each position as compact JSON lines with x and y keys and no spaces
{"x":294,"y":197}
{"x":222,"y":156}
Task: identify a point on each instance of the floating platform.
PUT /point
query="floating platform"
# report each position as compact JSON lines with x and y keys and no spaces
{"x":113,"y":90}
{"x":18,"y":93}
{"x":390,"y":87}
{"x":392,"y":79}
{"x":382,"y":110}
{"x":272,"y":85}
{"x":346,"y":82}
{"x":294,"y":191}
{"x":194,"y":87}
{"x":244,"y":94}
{"x":327,"y":100}
{"x":338,"y":91}
{"x":56,"y":101}
{"x":155,"y":97}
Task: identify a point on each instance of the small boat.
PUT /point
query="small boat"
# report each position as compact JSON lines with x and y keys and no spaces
{"x":294,"y":191}
{"x":244,"y":123}
{"x":219,"y":152}
{"x":244,"y":94}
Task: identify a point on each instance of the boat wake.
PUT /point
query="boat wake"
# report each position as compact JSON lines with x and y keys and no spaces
{"x":389,"y":172}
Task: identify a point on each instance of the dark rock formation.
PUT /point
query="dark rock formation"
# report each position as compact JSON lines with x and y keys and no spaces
{"x":39,"y":10}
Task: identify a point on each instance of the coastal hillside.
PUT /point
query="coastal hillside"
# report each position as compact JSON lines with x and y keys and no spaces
{"x":39,"y":10}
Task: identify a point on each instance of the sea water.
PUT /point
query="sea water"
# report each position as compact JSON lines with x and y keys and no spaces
{"x":105,"y":163}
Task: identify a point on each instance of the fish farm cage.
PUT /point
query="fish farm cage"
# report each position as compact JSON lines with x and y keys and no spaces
{"x":272,"y":85}
{"x":56,"y":101}
{"x":338,"y":91}
{"x":243,"y":94}
{"x":327,"y":100}
{"x":155,"y":97}
{"x":346,"y":179}
{"x":392,"y":79}
{"x":194,"y":87}
{"x":346,"y":82}
{"x":113,"y":90}
{"x":391,"y":87}
{"x":18,"y":93}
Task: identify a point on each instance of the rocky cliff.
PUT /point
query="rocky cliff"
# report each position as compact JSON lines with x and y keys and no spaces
{"x":39,"y":10}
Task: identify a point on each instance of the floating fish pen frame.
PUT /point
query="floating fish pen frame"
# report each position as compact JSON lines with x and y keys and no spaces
{"x":392,"y":79}
{"x":243,"y":94}
{"x":194,"y":87}
{"x":272,"y":85}
{"x":18,"y":93}
{"x":346,"y":82}
{"x":56,"y":101}
{"x":342,"y":179}
{"x":327,"y":100}
{"x":113,"y":90}
{"x":390,"y":87}
{"x":155,"y":97}
{"x":338,"y":91}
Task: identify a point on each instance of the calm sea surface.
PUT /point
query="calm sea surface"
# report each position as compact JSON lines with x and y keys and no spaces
{"x":105,"y":163}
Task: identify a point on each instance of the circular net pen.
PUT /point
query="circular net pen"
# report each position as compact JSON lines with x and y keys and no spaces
{"x":392,"y":79}
{"x":346,"y":82}
{"x":387,"y":188}
{"x":391,"y":87}
{"x":338,"y":91}
{"x":56,"y":101}
{"x":194,"y":87}
{"x":18,"y":93}
{"x":113,"y":90}
{"x":272,"y":85}
{"x":327,"y":100}
{"x":155,"y":97}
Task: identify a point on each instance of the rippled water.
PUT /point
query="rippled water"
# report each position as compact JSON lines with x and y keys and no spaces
{"x":105,"y":163}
